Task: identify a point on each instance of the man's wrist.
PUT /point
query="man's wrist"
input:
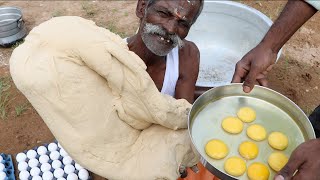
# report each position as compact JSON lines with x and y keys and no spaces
{"x":270,"y":45}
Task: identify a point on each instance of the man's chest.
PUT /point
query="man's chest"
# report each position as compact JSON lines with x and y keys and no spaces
{"x":157,"y":73}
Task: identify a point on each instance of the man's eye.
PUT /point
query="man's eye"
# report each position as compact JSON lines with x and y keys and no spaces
{"x":162,"y":13}
{"x":185,"y":24}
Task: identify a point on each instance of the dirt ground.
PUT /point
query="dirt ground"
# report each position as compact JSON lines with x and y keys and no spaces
{"x":296,"y":75}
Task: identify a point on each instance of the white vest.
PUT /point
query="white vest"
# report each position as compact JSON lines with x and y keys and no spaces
{"x":172,"y":72}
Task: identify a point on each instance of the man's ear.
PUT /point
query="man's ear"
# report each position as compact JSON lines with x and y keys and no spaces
{"x":141,"y":7}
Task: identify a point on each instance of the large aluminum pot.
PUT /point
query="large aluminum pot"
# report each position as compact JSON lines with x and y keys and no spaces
{"x":11,"y":25}
{"x":224,"y":32}
{"x":273,"y":111}
{"x":10,"y":18}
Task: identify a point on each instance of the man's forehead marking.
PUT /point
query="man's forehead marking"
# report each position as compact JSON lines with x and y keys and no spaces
{"x":177,"y":13}
{"x":190,"y":2}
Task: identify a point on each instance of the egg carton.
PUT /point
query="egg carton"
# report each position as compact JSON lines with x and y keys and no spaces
{"x":6,"y":167}
{"x":49,"y":162}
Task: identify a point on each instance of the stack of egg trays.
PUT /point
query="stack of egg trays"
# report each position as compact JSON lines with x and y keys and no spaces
{"x":50,"y":162}
{"x":8,"y":169}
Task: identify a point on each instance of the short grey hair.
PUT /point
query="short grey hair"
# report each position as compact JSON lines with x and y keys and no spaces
{"x":150,"y":2}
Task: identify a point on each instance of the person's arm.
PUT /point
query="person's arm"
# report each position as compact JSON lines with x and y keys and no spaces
{"x":254,"y":66}
{"x":189,"y":60}
{"x":293,"y":16}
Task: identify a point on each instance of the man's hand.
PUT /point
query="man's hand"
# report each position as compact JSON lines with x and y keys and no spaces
{"x":306,"y":160}
{"x":253,"y":67}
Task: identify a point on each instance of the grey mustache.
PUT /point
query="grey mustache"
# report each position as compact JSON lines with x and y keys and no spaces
{"x":155,"y":29}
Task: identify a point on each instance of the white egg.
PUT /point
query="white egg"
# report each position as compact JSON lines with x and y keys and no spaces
{"x":31,"y":154}
{"x":43,"y":159}
{"x":2,"y":167}
{"x":45,"y":167}
{"x":68,"y":169}
{"x":24,"y":175}
{"x":52,"y":147}
{"x":78,"y":166}
{"x":54,"y":155}
{"x":67,"y":160}
{"x":3,"y":175}
{"x":47,"y":175}
{"x":42,"y":150}
{"x":36,"y":178}
{"x":61,"y":178}
{"x":1,"y":158}
{"x":33,"y":163}
{"x":35,"y":171}
{"x":63,"y":152}
{"x":21,"y":157}
{"x":72,"y":176}
{"x":56,"y":164}
{"x":22,"y":166}
{"x":83,"y":174}
{"x":58,"y":173}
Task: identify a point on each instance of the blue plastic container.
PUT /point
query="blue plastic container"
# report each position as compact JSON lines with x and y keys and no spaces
{"x":8,"y":164}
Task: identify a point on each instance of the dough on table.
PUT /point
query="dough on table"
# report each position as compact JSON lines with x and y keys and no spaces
{"x":258,"y":171}
{"x":235,"y":166}
{"x":216,"y":149}
{"x":248,"y":150}
{"x":232,"y":125}
{"x":256,"y":132}
{"x":278,"y":140}
{"x":246,"y":114}
{"x":277,"y":161}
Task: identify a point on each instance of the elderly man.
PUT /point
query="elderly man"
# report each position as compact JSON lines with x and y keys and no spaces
{"x":172,"y":62}
{"x":304,"y":162}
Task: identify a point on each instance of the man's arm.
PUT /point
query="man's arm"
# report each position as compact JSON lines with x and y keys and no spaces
{"x":254,"y":66}
{"x":293,"y":16}
{"x":189,"y":60}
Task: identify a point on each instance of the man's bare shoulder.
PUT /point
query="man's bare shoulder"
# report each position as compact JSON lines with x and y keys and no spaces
{"x":190,"y":52}
{"x":189,"y":58}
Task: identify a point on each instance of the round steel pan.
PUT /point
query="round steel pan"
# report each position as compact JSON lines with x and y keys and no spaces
{"x":274,"y":111}
{"x":10,"y":18}
{"x":12,"y":27}
{"x":224,"y":32}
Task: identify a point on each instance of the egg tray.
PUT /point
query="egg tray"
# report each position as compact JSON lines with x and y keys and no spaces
{"x":50,"y":162}
{"x":9,"y":168}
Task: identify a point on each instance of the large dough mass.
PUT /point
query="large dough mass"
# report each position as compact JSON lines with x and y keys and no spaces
{"x":100,"y":103}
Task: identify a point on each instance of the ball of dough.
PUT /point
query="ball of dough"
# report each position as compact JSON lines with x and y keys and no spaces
{"x":235,"y":166}
{"x":277,"y":161}
{"x":246,"y":114}
{"x":232,"y":125}
{"x":278,"y":140}
{"x":248,"y":150}
{"x":216,"y":149}
{"x":258,"y":171}
{"x":256,"y":132}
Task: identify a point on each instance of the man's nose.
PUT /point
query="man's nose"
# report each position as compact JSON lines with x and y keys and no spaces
{"x":171,"y":26}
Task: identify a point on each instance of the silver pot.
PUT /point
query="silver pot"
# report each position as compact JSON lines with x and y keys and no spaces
{"x":224,"y":32}
{"x":274,"y":111}
{"x":11,"y":25}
